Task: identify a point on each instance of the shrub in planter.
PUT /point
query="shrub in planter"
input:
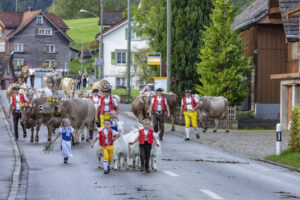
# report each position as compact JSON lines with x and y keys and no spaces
{"x":294,"y":142}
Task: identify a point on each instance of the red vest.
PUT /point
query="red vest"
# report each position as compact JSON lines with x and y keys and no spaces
{"x":142,"y":136}
{"x":193,"y":102}
{"x":92,"y":98}
{"x":110,"y":104}
{"x":14,"y":100}
{"x":163,"y":103}
{"x":102,"y":138}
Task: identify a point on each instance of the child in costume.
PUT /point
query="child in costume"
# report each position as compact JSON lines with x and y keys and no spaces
{"x":67,"y":132}
{"x":106,"y":138}
{"x":145,"y":138}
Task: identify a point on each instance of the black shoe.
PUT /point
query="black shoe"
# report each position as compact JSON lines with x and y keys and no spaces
{"x":65,"y":160}
{"x":24,"y":135}
{"x":186,"y":139}
{"x":197,"y":135}
{"x":142,"y":169}
{"x":148,"y":170}
{"x":108,"y":169}
{"x":105,"y":172}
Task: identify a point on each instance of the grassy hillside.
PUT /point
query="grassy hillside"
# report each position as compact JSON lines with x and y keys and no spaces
{"x":85,"y":28}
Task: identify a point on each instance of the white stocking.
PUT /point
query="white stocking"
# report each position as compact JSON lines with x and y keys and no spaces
{"x":187,"y":132}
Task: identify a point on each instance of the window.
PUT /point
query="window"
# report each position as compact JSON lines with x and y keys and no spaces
{"x":120,"y":82}
{"x":134,"y":36}
{"x":44,"y":31}
{"x":19,"y":47}
{"x":50,"y":48}
{"x":40,"y":19}
{"x":295,"y":46}
{"x":50,"y":63}
{"x":121,"y":57}
{"x":2,"y":46}
{"x":18,"y":62}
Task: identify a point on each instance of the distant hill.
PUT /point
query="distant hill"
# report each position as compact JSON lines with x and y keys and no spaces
{"x":10,"y":5}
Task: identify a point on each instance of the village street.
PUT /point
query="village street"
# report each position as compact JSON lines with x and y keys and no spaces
{"x":186,"y":170}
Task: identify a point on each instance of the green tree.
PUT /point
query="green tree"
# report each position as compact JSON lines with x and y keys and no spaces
{"x":223,"y":69}
{"x":294,"y":142}
{"x":188,"y":20}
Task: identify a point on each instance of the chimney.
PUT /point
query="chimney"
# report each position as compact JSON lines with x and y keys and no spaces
{"x":30,"y":8}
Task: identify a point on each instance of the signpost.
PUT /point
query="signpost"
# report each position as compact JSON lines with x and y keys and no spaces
{"x":160,"y":82}
{"x":153,"y":59}
{"x":99,"y":61}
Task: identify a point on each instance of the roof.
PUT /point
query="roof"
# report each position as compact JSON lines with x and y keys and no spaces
{"x":252,"y":14}
{"x":19,"y":20}
{"x":86,"y":54}
{"x":111,"y":17}
{"x":106,"y":31}
{"x":57,"y":20}
{"x":4,"y":60}
{"x":291,"y":30}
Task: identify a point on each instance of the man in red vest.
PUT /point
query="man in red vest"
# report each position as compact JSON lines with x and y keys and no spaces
{"x":189,"y":105}
{"x":145,"y":138}
{"x":107,"y":104}
{"x":15,"y":107}
{"x":159,"y":105}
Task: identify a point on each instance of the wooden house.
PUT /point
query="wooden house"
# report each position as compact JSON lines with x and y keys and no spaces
{"x":290,"y":79}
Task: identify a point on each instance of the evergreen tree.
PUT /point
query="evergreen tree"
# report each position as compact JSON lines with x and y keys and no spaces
{"x":188,"y":20}
{"x":223,"y":69}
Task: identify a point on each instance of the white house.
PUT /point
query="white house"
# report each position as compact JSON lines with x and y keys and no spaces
{"x":115,"y":55}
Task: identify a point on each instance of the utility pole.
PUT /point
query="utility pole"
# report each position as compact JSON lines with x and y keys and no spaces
{"x":16,"y":5}
{"x":169,"y":61}
{"x":129,"y":48}
{"x":81,"y":56}
{"x":54,"y":6}
{"x":101,"y":67}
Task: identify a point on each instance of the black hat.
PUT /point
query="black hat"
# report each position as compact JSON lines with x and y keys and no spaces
{"x":95,"y":90}
{"x":188,"y":91}
{"x":159,"y":90}
{"x":16,"y":87}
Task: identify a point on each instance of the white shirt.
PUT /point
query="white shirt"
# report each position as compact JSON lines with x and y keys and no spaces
{"x":159,"y":102}
{"x":188,"y":100}
{"x":31,"y":71}
{"x":106,"y":102}
{"x":146,"y":133}
{"x":105,"y":131}
{"x":18,"y":101}
{"x":96,"y":101}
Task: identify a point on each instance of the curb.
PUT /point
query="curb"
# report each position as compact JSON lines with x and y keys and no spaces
{"x":12,"y":195}
{"x":279,"y":164}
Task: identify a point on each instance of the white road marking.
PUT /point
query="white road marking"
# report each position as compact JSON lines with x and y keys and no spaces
{"x":170,"y":173}
{"x":211,"y":194}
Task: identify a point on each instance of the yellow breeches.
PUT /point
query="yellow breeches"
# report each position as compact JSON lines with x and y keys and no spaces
{"x":103,"y":118}
{"x":190,"y":116}
{"x":108,"y":153}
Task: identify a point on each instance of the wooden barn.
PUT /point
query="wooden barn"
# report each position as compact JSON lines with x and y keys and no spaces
{"x":262,"y":30}
{"x":290,"y":80}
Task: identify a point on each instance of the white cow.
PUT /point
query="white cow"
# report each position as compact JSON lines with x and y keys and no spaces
{"x":68,"y":85}
{"x":43,"y":92}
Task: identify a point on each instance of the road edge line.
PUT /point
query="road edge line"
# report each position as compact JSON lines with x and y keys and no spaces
{"x":12,"y":195}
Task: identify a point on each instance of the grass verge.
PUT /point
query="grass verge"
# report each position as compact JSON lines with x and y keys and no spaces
{"x":287,"y":157}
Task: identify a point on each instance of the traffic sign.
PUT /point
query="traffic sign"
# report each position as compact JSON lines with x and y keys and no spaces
{"x":99,"y":61}
{"x":154,"y":58}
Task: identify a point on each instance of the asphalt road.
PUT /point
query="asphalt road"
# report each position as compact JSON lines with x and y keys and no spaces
{"x":186,"y":170}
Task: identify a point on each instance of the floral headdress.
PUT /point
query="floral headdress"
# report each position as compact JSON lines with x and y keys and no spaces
{"x":25,"y":105}
{"x":52,"y":100}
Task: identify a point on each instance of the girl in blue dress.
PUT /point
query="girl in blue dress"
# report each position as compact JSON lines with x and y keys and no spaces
{"x":67,"y":132}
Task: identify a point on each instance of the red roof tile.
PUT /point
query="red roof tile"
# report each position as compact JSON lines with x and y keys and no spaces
{"x":11,"y":20}
{"x":57,"y":20}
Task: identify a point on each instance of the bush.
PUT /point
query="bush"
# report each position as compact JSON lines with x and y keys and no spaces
{"x":294,"y":142}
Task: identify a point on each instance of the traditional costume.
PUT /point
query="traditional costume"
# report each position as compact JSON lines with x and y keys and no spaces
{"x":159,"y":107}
{"x":190,"y":103}
{"x":107,"y":104}
{"x":106,"y":142}
{"x":145,"y":144}
{"x":66,"y":145}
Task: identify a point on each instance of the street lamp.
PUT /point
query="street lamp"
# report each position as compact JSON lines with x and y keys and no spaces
{"x":101,"y":73}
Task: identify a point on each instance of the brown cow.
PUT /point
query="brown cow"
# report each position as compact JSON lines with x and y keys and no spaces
{"x":32,"y":118}
{"x":141,"y":104}
{"x":81,"y":113}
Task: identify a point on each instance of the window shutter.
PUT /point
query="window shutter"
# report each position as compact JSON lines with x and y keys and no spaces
{"x":24,"y":48}
{"x":126,"y":34}
{"x":44,"y":48}
{"x":113,"y":57}
{"x":55,"y":49}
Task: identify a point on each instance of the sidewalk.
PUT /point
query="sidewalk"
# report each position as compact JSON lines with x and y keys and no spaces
{"x":7,"y":161}
{"x":255,"y":144}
